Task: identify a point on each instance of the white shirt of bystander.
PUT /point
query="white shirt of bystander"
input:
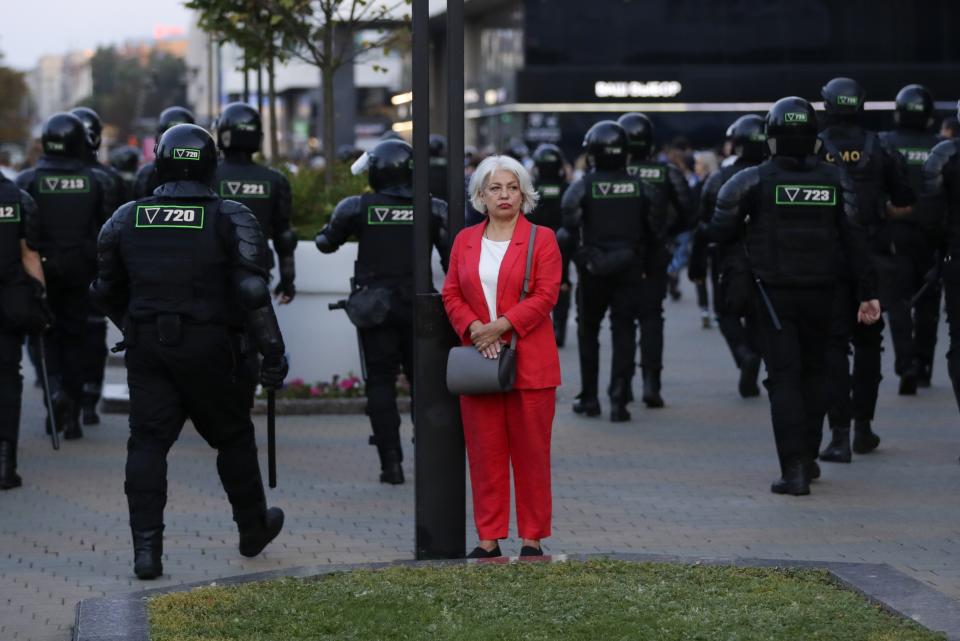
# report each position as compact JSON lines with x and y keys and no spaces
{"x":491,"y":256}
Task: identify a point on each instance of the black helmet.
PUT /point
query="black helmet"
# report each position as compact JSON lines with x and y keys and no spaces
{"x":438,"y":146}
{"x":239,"y":128}
{"x":90,"y":120}
{"x":606,"y":145}
{"x":125,"y":159}
{"x":517,"y":149}
{"x":186,"y":152}
{"x":749,"y":140}
{"x":791,"y":127}
{"x":843,"y":97}
{"x":640,"y":134}
{"x":64,"y":135}
{"x":914,"y":108}
{"x":390,"y":165}
{"x":549,"y":162}
{"x":174,"y":116}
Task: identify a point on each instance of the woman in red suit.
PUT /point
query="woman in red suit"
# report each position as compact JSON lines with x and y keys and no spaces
{"x":482,"y":298}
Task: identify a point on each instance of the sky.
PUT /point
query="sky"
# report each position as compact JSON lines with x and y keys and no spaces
{"x":38,"y":27}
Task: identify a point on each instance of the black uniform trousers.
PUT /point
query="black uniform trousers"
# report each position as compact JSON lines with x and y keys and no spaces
{"x":913,"y":330}
{"x":653,"y":291}
{"x":387,"y":348}
{"x":733,"y":304}
{"x":851,"y":396}
{"x":951,"y":291}
{"x":620,"y":293}
{"x":64,"y":343}
{"x":561,"y":311}
{"x":795,"y":357}
{"x":11,"y":384}
{"x":94,"y":357}
{"x":202,"y":378}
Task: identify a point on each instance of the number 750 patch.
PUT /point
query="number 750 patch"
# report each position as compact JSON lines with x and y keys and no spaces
{"x":169,"y":216}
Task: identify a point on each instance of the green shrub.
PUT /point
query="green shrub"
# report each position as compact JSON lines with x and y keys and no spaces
{"x":313,"y":202}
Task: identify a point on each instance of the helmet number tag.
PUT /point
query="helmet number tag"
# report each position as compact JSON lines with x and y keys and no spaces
{"x":550,"y":191}
{"x":390,"y":215}
{"x":914,"y":155}
{"x":616,"y":189}
{"x":245,"y":189}
{"x":10,"y":213}
{"x":186,"y":153}
{"x":815,"y":195}
{"x":169,"y":217}
{"x":646,"y":173}
{"x":64,"y":185}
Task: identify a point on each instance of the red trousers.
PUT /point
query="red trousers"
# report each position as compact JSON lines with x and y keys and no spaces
{"x":500,"y":429}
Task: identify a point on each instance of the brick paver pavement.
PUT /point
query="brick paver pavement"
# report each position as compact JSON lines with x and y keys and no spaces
{"x":691,"y":479}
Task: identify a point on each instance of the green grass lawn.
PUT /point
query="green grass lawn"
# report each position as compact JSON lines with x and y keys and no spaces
{"x":582,"y":601}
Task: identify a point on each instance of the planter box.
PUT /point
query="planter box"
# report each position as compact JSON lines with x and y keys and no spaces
{"x":116,"y":400}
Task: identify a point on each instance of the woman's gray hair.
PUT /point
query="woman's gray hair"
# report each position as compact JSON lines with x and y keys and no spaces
{"x":489,"y":166}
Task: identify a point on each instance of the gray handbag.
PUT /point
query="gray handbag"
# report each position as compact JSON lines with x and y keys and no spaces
{"x":470,"y":372}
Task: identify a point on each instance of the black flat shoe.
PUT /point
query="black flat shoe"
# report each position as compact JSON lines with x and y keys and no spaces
{"x":480,"y":553}
{"x":529,"y":550}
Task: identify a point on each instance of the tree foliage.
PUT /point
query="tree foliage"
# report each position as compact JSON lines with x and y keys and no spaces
{"x":14,"y":116}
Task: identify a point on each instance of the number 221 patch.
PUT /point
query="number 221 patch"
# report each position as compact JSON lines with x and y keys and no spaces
{"x":169,"y":217}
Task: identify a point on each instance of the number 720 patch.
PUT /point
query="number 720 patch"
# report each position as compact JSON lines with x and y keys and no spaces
{"x":169,"y":217}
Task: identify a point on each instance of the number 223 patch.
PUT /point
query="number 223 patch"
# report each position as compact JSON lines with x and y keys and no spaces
{"x":169,"y":217}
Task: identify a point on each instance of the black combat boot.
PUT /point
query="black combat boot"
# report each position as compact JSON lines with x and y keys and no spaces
{"x":864,"y":440}
{"x":910,"y":380}
{"x":91,"y":397}
{"x":926,"y":373}
{"x":619,"y":397}
{"x":148,"y":553}
{"x":256,"y":535}
{"x":795,"y":480}
{"x":9,"y":478}
{"x":838,"y":451}
{"x":651,"y":388}
{"x":749,"y":371}
{"x":586,"y":406}
{"x":391,"y":470}
{"x":68,"y":416}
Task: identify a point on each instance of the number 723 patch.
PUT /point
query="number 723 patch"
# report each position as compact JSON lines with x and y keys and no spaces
{"x":169,"y":217}
{"x":822,"y":195}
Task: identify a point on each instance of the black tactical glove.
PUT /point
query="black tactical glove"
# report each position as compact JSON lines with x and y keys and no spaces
{"x":273,"y":371}
{"x":285,"y":288}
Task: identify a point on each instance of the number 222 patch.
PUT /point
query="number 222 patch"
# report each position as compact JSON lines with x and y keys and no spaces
{"x":169,"y":217}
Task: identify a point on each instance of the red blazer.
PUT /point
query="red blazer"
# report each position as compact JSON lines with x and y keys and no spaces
{"x":538,"y":363}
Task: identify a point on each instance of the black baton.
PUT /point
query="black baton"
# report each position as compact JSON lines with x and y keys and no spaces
{"x":272,"y":437}
{"x":54,"y":437}
{"x":769,"y":305}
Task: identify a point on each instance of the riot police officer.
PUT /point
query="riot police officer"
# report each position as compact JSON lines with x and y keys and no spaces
{"x":732,"y":286}
{"x":941,"y":192}
{"x":21,"y":282}
{"x":674,"y":211}
{"x":265,"y":191}
{"x":181,"y":272}
{"x":875,"y":169}
{"x":95,"y":336}
{"x":438,"y":167}
{"x":609,"y":211}
{"x":125,"y":161}
{"x":381,"y":300}
{"x":550,"y":177}
{"x":799,"y":209}
{"x":146,"y":180}
{"x":73,"y":200}
{"x":915,"y":236}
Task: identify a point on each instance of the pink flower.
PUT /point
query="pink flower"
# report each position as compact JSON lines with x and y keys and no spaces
{"x":346,"y":384}
{"x":296,"y":382}
{"x":314,"y":391}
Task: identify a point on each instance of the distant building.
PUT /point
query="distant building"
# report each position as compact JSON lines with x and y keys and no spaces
{"x":58,"y":82}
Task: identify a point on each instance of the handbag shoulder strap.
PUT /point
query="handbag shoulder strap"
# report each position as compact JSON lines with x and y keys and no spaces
{"x":526,"y":277}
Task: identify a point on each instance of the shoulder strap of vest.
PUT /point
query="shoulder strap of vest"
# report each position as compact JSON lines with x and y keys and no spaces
{"x":867,"y":153}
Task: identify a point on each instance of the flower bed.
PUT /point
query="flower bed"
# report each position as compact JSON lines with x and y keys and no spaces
{"x":349,"y":386}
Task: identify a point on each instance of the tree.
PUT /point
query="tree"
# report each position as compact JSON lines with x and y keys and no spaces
{"x":14,"y":117}
{"x":256,"y":27}
{"x":325,"y":38}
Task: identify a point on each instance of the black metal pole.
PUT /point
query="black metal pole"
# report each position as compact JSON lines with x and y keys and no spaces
{"x":439,"y":457}
{"x":455,"y":114}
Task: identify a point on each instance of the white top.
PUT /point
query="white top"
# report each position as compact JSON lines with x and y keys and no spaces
{"x":491,"y":255}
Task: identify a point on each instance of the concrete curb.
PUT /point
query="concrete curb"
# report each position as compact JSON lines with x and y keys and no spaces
{"x":124,"y":617}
